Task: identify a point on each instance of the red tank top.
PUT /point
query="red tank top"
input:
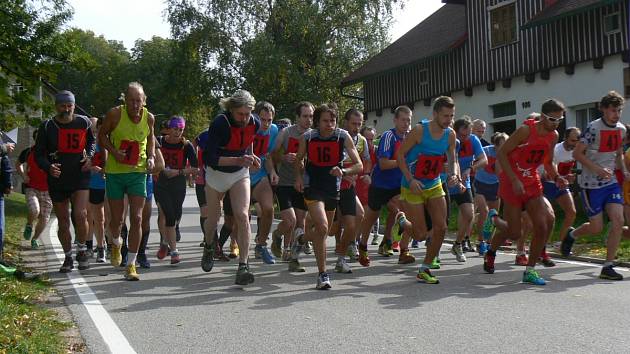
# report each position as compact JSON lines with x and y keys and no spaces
{"x":525,"y":159}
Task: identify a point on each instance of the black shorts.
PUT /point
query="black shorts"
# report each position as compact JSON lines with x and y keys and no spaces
{"x":348,"y":202}
{"x":97,"y":196}
{"x":200,"y":189}
{"x":61,"y":195}
{"x":489,"y":191}
{"x":288,"y":197}
{"x":227,"y":204}
{"x":463,"y":198}
{"x":330,"y":202}
{"x":378,"y":197}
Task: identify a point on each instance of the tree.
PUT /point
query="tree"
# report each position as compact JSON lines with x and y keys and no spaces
{"x":283,"y":51}
{"x":31,"y":49}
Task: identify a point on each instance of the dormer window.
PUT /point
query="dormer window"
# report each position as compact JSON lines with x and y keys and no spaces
{"x":503,"y":29}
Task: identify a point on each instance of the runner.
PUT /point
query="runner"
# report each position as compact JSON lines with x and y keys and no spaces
{"x":290,"y":201}
{"x":64,"y":148}
{"x":96,"y":210}
{"x":228,"y":156}
{"x":319,"y":178}
{"x":5,"y":189}
{"x":385,"y":186}
{"x":36,"y":193}
{"x":127,"y":135}
{"x":479,"y":129}
{"x":364,"y":180}
{"x":600,"y":152}
{"x":262,"y":179}
{"x":423,"y":153}
{"x":170,"y":187}
{"x":471,"y":158}
{"x":520,"y":186}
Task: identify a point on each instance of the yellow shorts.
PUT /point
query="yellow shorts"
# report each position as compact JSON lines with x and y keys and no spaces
{"x":626,"y":192}
{"x":423,"y":196}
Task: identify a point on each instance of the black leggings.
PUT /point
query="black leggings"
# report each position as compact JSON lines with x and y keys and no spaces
{"x":170,"y":196}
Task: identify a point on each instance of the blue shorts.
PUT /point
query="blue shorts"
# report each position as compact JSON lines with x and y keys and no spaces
{"x":489,"y":191}
{"x":149,"y":187}
{"x":596,"y":199}
{"x":552,"y":192}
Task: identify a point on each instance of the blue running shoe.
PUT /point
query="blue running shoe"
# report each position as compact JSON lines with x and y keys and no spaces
{"x":262,"y":252}
{"x":488,"y":225}
{"x":531,"y":276}
{"x":415,"y":244}
{"x":482,"y":248}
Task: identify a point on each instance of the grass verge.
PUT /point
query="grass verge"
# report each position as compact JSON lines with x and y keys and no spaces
{"x":25,"y":325}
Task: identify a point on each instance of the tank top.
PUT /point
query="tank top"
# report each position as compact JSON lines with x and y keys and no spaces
{"x":322,"y":154}
{"x":525,"y":159}
{"x":290,"y":144}
{"x":132,"y":138}
{"x":426,"y":160}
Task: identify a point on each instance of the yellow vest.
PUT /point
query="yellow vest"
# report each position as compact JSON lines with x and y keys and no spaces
{"x":133,"y":138}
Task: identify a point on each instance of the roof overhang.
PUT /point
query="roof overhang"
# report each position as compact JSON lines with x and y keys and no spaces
{"x":542,"y":18}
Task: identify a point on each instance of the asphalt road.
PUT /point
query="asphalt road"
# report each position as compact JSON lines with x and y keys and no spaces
{"x":181,"y":309}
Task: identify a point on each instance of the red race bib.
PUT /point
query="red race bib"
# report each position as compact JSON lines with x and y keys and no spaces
{"x":396,"y":148}
{"x":173,"y":158}
{"x":533,"y":155}
{"x":465,"y":149}
{"x":324,"y":153}
{"x":71,"y":141}
{"x":131,"y":149}
{"x":97,"y":159}
{"x":241,"y":138}
{"x":564,"y":168}
{"x":609,"y":140}
{"x":261,"y":145}
{"x":429,"y":167}
{"x":292,"y":145}
{"x":491,"y":166}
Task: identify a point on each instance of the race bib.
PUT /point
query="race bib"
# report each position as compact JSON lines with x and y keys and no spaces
{"x":428,"y":167}
{"x":131,"y":149}
{"x":491,"y":166}
{"x":324,"y":153}
{"x":564,"y":168}
{"x":292,"y":145}
{"x":396,"y":148}
{"x":609,"y":140}
{"x":173,"y":158}
{"x":97,"y":159}
{"x":261,"y":145}
{"x":241,"y":138}
{"x":71,"y":141}
{"x":465,"y":149}
{"x":533,"y":155}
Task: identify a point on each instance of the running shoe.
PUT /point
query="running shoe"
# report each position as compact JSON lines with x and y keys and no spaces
{"x":234,"y":251}
{"x":375,"y":239}
{"x":243,"y":275}
{"x":482,"y":248}
{"x":207,"y":260}
{"x":467,"y":246}
{"x":397,"y":228}
{"x":396,"y":246}
{"x":286,"y":254}
{"x":202,"y":244}
{"x":406,"y":257}
{"x":567,"y":243}
{"x":308,"y":248}
{"x":175,"y":257}
{"x":609,"y":273}
{"x":488,"y":263}
{"x":67,"y":266}
{"x":261,"y":251}
{"x":342,"y":266}
{"x":488,"y":225}
{"x":415,"y":244}
{"x":100,"y":255}
{"x":425,"y":276}
{"x":116,"y":258}
{"x":545,"y":259}
{"x":531,"y":276}
{"x":435,"y":264}
{"x":162,"y":252}
{"x":385,"y":249}
{"x":458,"y":252}
{"x":295,"y":266}
{"x":323,"y":281}
{"x":364,"y":258}
{"x":219,"y":255}
{"x":143,"y":261}
{"x":353,"y":252}
{"x":34,"y":244}
{"x":83,"y":260}
{"x":521,"y":260}
{"x":28,"y":231}
{"x":131,"y":274}
{"x":276,"y":243}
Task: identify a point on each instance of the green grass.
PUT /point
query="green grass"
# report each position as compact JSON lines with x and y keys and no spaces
{"x":25,"y":326}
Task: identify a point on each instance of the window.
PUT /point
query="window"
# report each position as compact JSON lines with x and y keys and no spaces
{"x":508,"y":127}
{"x":423,"y":77}
{"x":505,"y":109}
{"x":612,"y":23}
{"x":503,"y":25}
{"x":16,"y":89}
{"x":584,"y":116}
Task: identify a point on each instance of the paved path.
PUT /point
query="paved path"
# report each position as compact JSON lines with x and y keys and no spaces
{"x":181,"y":309}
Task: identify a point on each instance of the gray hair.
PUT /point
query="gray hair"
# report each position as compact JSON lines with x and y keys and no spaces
{"x":479,"y":122}
{"x":133,"y":85}
{"x":240,"y":98}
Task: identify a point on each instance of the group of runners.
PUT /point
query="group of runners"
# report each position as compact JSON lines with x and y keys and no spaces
{"x":327,"y":181}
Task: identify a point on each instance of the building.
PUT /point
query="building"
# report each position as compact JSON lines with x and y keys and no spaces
{"x":500,"y":59}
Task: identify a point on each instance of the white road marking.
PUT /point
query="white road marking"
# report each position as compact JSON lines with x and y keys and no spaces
{"x":111,"y":334}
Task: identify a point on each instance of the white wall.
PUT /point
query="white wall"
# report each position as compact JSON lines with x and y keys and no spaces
{"x":587,"y":85}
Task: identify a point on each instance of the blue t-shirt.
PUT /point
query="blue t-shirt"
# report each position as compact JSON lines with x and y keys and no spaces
{"x":426,"y":160}
{"x":97,"y":180}
{"x":264,"y":142}
{"x":467,"y":152}
{"x":387,"y":148}
{"x":488,"y":174}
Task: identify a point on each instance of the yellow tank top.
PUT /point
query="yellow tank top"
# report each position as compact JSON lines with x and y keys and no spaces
{"x":132,"y":138}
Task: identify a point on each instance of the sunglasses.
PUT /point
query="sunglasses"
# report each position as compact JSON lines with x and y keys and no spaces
{"x":553,"y":119}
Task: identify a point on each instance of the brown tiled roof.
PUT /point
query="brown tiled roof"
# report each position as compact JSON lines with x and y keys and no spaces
{"x":444,"y":30}
{"x":564,"y":8}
